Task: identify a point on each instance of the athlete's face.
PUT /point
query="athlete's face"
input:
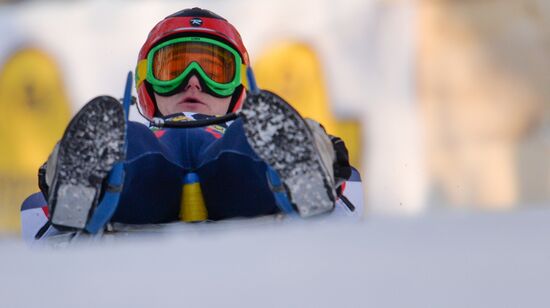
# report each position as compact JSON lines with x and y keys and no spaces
{"x":192,"y":99}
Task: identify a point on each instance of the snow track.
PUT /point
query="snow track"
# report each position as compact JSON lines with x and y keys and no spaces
{"x":444,"y":260}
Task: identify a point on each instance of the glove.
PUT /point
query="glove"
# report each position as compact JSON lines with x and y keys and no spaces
{"x":341,"y":166}
{"x":42,"y":184}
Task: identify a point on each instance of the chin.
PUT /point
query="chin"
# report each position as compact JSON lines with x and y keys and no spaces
{"x":198,"y":108}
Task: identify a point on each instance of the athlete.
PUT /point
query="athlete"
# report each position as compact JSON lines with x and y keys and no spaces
{"x":269,"y":160}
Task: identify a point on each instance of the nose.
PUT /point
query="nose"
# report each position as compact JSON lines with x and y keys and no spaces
{"x":193,"y":83}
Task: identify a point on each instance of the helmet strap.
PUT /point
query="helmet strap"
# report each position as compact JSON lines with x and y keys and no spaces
{"x":151,"y":92}
{"x":235,"y":98}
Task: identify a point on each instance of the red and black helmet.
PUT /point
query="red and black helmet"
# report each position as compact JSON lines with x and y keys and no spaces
{"x":188,"y":22}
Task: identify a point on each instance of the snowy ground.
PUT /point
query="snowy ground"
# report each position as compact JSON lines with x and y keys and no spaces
{"x":440,"y":260}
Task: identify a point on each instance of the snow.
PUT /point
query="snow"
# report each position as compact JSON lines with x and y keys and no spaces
{"x":441,"y":260}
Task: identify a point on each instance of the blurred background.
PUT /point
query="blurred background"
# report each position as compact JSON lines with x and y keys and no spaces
{"x":444,"y":105}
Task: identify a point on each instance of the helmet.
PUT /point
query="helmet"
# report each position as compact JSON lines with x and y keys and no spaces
{"x":188,"y":22}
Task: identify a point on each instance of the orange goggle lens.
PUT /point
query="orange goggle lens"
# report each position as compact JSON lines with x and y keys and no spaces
{"x":170,"y":61}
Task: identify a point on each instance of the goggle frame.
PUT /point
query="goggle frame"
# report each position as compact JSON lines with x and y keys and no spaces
{"x":167,"y":86}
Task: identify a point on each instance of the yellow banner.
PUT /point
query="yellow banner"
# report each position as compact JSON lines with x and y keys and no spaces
{"x":293,"y":71}
{"x":35,"y":111}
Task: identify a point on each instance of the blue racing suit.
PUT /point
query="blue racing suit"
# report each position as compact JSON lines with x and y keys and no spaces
{"x":232,"y":176}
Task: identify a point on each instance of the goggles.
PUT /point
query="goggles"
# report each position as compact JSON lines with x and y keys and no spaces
{"x":169,"y":64}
